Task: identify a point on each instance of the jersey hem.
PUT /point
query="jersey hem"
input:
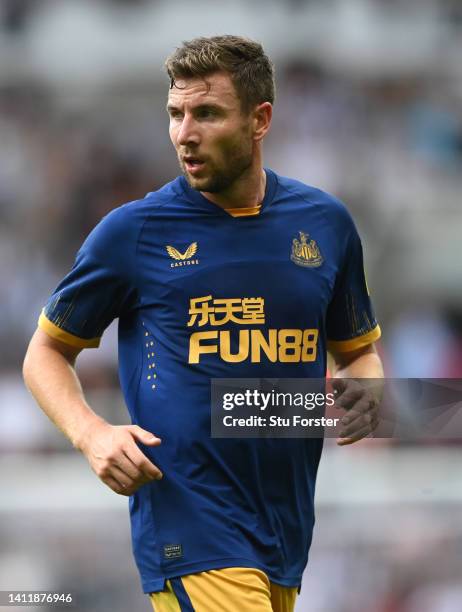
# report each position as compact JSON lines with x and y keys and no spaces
{"x":355,"y":343}
{"x":157,"y":584}
{"x":51,"y":329}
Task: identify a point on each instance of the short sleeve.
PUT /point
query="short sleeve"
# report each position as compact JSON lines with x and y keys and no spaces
{"x":351,"y":322}
{"x":99,"y":288}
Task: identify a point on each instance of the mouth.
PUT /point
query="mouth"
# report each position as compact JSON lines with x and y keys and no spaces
{"x":193,"y":164}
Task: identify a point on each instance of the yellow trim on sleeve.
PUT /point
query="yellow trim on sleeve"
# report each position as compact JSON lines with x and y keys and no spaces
{"x":63,"y":336}
{"x":343,"y":346}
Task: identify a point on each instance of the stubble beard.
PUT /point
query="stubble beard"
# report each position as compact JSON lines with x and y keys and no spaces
{"x":221,"y":178}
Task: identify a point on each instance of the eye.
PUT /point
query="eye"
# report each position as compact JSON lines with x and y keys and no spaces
{"x":205,"y":113}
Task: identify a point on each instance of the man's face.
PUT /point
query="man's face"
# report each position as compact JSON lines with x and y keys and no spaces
{"x":211,"y":135}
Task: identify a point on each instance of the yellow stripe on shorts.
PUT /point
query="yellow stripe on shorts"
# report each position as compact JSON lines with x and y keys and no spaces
{"x":229,"y":589}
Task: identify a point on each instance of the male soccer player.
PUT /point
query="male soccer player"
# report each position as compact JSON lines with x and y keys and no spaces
{"x":228,"y":271}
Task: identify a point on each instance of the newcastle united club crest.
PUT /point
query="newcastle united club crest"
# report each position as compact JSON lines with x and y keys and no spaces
{"x":305,"y":252}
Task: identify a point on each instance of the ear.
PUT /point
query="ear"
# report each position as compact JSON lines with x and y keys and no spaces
{"x":262,"y":116}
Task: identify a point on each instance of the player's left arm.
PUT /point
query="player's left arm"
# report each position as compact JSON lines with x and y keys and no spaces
{"x":361,"y":402}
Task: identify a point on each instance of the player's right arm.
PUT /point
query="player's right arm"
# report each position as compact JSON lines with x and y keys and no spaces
{"x":112,"y":451}
{"x":99,"y":288}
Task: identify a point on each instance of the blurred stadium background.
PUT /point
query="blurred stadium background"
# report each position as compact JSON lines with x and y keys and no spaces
{"x":370,"y":108}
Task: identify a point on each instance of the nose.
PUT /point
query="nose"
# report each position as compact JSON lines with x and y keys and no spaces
{"x":188,"y":133}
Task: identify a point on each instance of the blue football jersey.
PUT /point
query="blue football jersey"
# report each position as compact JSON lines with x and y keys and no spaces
{"x":202,"y":294}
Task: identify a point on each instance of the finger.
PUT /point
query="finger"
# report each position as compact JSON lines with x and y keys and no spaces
{"x":367,"y":420}
{"x":121,"y":477}
{"x":143,"y":436}
{"x":127,"y":466}
{"x":145,"y":466}
{"x":137,"y":475}
{"x":363,"y":406}
{"x":348,"y":398}
{"x":363,"y":421}
{"x":123,"y":489}
{"x":362,"y":433}
{"x":127,"y":486}
{"x":113,"y":484}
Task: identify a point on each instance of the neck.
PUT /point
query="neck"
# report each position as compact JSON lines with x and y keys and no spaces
{"x":248,"y":191}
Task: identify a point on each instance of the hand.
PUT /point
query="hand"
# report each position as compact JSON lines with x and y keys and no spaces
{"x":117,"y":460}
{"x":362,"y":410}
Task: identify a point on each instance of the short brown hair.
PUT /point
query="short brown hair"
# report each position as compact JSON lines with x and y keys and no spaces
{"x":249,"y":67}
